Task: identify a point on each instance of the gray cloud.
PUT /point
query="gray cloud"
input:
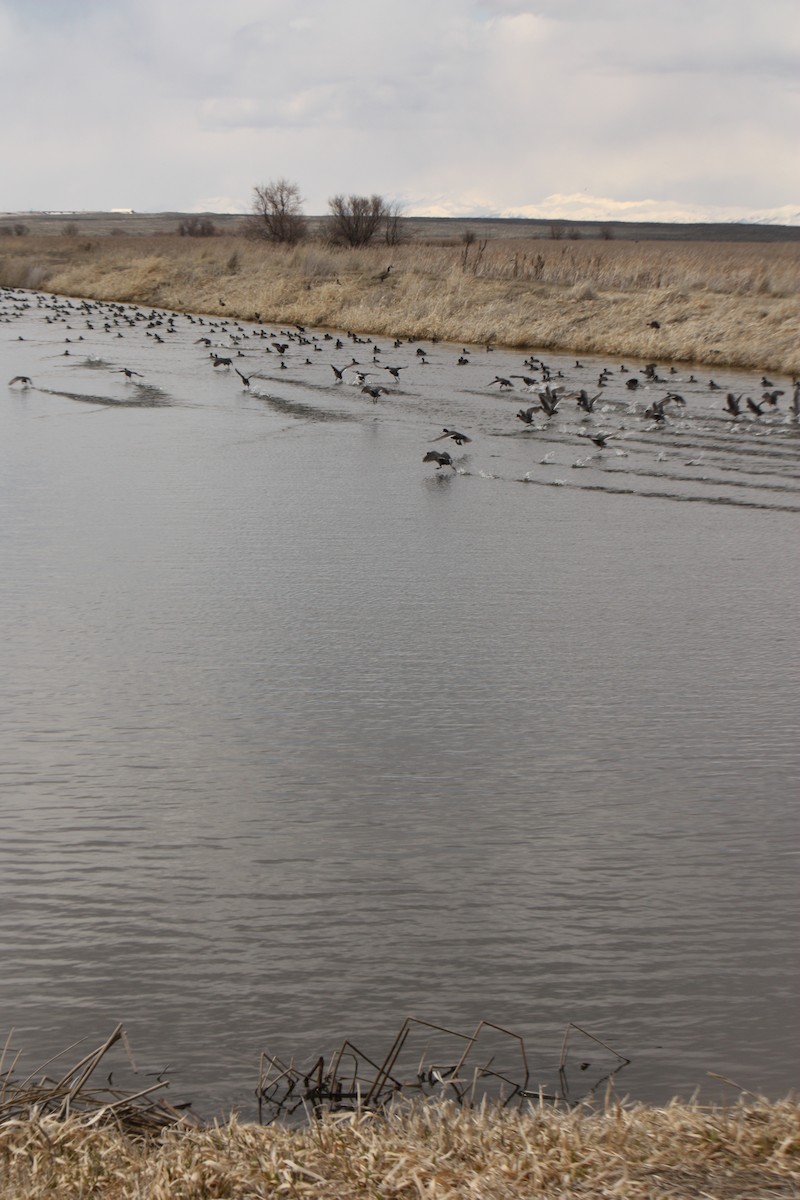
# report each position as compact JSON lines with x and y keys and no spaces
{"x":485,"y":105}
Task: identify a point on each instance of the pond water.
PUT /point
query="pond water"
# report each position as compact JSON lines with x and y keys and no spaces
{"x":302,"y":735}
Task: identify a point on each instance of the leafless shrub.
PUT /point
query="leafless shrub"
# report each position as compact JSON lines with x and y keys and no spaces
{"x":393,"y":228}
{"x":21,"y":230}
{"x":355,"y":220}
{"x":557,"y":230}
{"x":606,"y":232}
{"x":197,"y":227}
{"x":69,"y":229}
{"x":277,"y":213}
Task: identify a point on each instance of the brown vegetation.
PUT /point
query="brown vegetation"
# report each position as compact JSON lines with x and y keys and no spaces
{"x":716,"y":303}
{"x":69,"y":1134}
{"x":748,"y":1151}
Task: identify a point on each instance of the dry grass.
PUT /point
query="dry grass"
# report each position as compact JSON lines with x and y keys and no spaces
{"x":750,"y":1150}
{"x":716,"y":303}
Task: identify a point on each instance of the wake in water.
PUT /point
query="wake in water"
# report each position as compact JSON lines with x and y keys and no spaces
{"x":146,"y":396}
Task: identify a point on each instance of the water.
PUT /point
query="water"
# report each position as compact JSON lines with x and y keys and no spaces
{"x":301,"y":735}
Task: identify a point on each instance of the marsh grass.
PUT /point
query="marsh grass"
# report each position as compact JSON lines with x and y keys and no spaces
{"x":716,"y":303}
{"x":750,"y":1150}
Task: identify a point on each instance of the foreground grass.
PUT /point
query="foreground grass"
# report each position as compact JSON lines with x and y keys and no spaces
{"x":714,"y":303}
{"x":750,"y":1150}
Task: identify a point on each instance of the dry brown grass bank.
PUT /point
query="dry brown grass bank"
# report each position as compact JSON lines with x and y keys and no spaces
{"x":715,"y":303}
{"x":436,"y":1151}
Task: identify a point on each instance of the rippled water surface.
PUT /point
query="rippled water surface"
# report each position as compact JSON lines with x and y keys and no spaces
{"x":301,"y":735}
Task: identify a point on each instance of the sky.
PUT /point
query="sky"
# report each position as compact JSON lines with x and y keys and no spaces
{"x":589,"y":109}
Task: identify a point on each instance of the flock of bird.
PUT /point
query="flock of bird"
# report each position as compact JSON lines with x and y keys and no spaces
{"x":231,"y":346}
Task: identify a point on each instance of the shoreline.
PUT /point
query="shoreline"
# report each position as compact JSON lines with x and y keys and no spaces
{"x":706,"y":304}
{"x":748,"y":1150}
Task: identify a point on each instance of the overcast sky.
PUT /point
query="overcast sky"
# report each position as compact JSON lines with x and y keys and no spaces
{"x":530,"y":107}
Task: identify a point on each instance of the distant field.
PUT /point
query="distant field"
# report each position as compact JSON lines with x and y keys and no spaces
{"x":445,"y":229}
{"x":687,"y":295}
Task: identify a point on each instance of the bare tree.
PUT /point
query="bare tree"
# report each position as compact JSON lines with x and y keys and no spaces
{"x":355,"y":220}
{"x":394,"y":231}
{"x":197,"y":227}
{"x":278,"y":213}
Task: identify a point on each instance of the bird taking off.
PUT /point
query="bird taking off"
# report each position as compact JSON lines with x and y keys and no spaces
{"x":600,"y":439}
{"x":25,"y":380}
{"x":458,"y":438}
{"x":375,"y":392}
{"x":440,"y":457}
